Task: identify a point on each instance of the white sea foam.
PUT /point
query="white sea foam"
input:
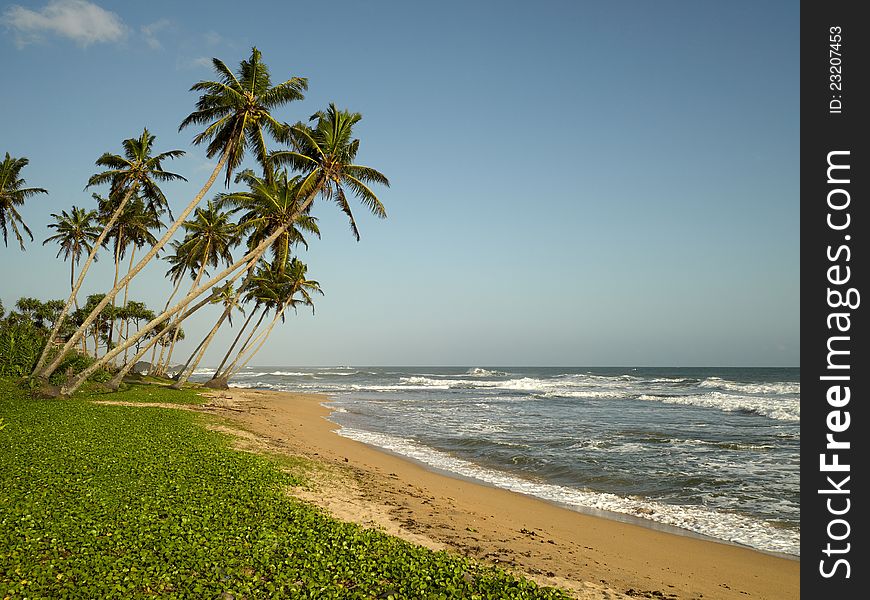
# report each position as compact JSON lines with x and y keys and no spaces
{"x":290,"y":373}
{"x":479,"y":372}
{"x":779,"y":387}
{"x":730,"y":527}
{"x":204,"y":371}
{"x":781,"y":409}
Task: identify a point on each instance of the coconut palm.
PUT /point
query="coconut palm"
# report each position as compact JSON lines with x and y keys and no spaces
{"x":278,"y":287}
{"x":131,"y":229}
{"x":327,"y":157}
{"x":77,"y":232}
{"x":209,"y":241}
{"x":235,"y":110}
{"x":229,"y":297}
{"x":137,"y":171}
{"x":180,"y":266}
{"x":268,"y":206}
{"x":12,"y":195}
{"x":271,"y":204}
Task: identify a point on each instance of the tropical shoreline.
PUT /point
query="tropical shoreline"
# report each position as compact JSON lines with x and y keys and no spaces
{"x":592,"y":556}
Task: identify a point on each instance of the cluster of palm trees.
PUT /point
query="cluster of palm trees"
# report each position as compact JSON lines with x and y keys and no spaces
{"x":267,"y":221}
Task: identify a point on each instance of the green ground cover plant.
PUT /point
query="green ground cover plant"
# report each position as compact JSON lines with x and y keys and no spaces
{"x":105,"y":501}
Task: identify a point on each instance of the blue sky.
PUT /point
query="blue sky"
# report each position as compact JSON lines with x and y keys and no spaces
{"x":573,"y":183}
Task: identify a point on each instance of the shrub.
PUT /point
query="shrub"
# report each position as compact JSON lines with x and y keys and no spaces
{"x":76,"y":362}
{"x":21,"y":342}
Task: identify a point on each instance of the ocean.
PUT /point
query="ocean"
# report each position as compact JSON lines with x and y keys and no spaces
{"x":713,"y":451}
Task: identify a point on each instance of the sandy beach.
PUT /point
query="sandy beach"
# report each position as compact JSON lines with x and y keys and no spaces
{"x":591,"y":557}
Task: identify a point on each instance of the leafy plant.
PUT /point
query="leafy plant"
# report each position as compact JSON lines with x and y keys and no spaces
{"x":20,"y":344}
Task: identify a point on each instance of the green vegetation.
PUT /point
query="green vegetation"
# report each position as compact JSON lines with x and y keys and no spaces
{"x":106,"y":501}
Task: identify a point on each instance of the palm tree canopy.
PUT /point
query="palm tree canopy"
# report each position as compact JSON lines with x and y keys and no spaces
{"x":180,"y":263}
{"x":210,"y":237}
{"x":137,"y":168}
{"x":276,"y":285}
{"x":325,"y":156}
{"x":271,"y":204}
{"x":235,"y":110}
{"x":135,"y":223}
{"x":77,"y":231}
{"x":12,"y":195}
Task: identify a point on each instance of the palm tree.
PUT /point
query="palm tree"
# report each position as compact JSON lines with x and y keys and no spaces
{"x":229,"y":297}
{"x":136,"y":171}
{"x":12,"y":195}
{"x":278,"y":286}
{"x":209,"y":240}
{"x":330,"y":171}
{"x":131,"y":229}
{"x":176,"y":272}
{"x":271,"y":205}
{"x":77,"y":232}
{"x":325,"y":155}
{"x":235,"y":110}
{"x":268,"y":207}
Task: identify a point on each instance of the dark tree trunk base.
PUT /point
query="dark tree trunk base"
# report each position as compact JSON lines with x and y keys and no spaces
{"x":218,"y":383}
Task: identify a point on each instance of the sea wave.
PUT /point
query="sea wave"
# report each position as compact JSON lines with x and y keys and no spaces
{"x":781,"y":409}
{"x":777,"y":387}
{"x":480,"y":372}
{"x":739,"y":529}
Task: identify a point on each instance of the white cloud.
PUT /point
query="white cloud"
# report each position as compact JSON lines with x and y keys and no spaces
{"x":213,"y":38}
{"x":151,"y":30}
{"x":183,"y":64}
{"x":81,"y":21}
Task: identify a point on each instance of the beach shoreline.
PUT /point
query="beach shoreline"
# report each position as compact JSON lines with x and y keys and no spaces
{"x":591,"y":556}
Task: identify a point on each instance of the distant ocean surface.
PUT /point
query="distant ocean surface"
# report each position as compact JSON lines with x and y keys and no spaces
{"x":715,"y":451}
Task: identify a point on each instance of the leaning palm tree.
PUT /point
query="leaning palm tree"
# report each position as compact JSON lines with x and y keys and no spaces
{"x":180,"y":266}
{"x":137,"y":171}
{"x":325,"y":155}
{"x":229,"y":297}
{"x":280,"y":284}
{"x":209,"y":241}
{"x":12,"y":195}
{"x":77,"y":232}
{"x":269,"y":205}
{"x":235,"y":110}
{"x":131,"y":230}
{"x":272,"y":204}
{"x":328,"y":157}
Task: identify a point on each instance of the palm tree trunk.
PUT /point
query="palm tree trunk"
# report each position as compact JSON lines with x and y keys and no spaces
{"x":72,"y":285}
{"x":264,"y":336}
{"x":112,"y":313}
{"x":190,"y":368}
{"x":37,"y":370}
{"x":119,"y":377}
{"x":251,"y":257}
{"x":178,"y":322}
{"x":241,"y":351}
{"x":171,"y":296}
{"x":126,"y":323}
{"x":141,"y":265}
{"x":233,"y":345}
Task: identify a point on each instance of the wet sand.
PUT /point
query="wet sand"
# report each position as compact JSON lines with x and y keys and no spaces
{"x":591,"y":557}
